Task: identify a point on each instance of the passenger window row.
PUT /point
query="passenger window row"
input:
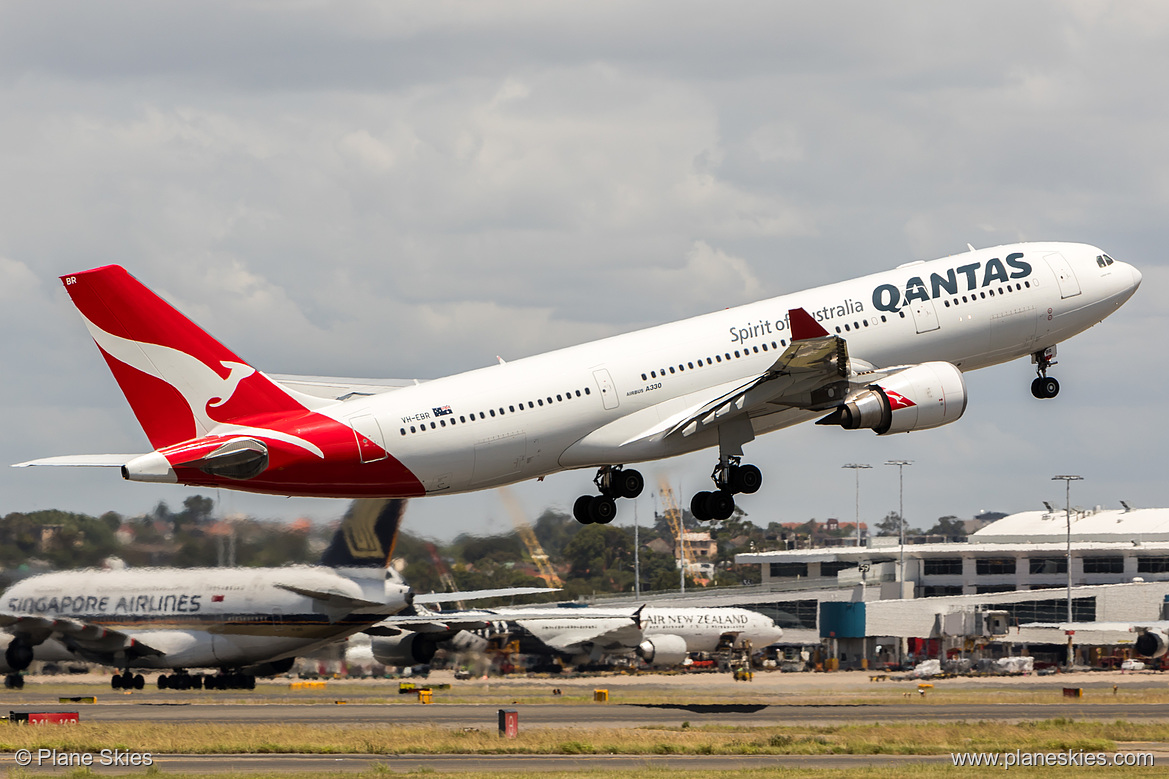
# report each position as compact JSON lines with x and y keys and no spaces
{"x":444,"y":421}
{"x":699,"y":363}
{"x":982,"y":295}
{"x":864,"y":323}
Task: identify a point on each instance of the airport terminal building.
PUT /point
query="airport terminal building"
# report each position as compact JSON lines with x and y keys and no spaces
{"x":886,"y":603}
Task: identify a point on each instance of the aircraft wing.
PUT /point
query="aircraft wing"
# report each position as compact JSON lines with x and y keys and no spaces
{"x":569,"y":636}
{"x":812,"y":373}
{"x":76,"y":635}
{"x":476,"y":619}
{"x":335,"y":388}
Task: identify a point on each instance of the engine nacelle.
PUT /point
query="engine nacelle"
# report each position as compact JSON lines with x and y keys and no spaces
{"x":406,"y":649}
{"x":928,"y":395}
{"x":663,"y":650}
{"x":1152,"y":643}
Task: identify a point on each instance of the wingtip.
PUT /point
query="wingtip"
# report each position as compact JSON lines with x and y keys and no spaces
{"x":804,"y":326}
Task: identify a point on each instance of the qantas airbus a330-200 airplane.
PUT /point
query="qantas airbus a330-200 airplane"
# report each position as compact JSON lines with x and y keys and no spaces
{"x":884,"y":352}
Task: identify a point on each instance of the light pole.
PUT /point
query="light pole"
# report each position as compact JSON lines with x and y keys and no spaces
{"x":1067,"y":480}
{"x":901,"y":519}
{"x":856,"y":468}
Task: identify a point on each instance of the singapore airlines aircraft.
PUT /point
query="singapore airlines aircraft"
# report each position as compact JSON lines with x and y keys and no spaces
{"x":884,"y":352}
{"x":243,"y":621}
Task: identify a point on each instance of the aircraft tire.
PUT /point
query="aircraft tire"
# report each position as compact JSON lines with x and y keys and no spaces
{"x":698,"y":506}
{"x":746,"y":479}
{"x":630,"y":483}
{"x":14,"y":681}
{"x":1050,"y":387}
{"x":18,"y":655}
{"x":1037,"y":388}
{"x":602,"y":509}
{"x":139,"y":682}
{"x":163,"y":682}
{"x":580,"y":509}
{"x":720,"y":505}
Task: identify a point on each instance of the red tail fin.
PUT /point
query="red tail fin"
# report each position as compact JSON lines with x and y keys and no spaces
{"x":179,"y":381}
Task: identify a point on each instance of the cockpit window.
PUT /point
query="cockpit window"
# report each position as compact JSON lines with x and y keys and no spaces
{"x":1108,"y":259}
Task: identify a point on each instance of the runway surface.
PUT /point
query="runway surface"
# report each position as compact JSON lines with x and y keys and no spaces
{"x":612,"y":715}
{"x":527,"y":764}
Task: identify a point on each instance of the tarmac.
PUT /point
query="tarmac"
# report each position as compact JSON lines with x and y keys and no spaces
{"x":640,"y":700}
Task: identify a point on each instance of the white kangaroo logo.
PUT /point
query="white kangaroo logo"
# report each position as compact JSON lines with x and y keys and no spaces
{"x":198,"y":383}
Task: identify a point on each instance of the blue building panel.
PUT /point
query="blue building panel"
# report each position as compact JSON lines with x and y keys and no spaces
{"x":842,"y":619}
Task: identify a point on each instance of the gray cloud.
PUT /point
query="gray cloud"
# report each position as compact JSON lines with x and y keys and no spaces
{"x":412,"y":189}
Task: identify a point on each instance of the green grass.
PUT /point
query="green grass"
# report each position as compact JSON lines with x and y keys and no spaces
{"x":914,"y":738}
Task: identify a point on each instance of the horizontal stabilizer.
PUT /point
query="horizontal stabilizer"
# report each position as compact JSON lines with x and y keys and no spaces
{"x":83,"y":460}
{"x":332,"y":598}
{"x":337,"y":388}
{"x":502,"y":592}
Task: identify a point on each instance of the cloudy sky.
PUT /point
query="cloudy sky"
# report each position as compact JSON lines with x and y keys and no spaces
{"x":410,"y":189}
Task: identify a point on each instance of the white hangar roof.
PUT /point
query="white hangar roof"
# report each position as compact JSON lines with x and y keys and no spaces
{"x":1101,"y":525}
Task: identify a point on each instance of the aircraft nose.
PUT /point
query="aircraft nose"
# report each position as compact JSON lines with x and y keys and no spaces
{"x":1136,"y":276}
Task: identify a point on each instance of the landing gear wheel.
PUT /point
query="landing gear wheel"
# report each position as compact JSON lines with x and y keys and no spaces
{"x":602,"y":509}
{"x":1050,"y":387}
{"x":1037,"y":387}
{"x":698,"y":507}
{"x":18,"y":655}
{"x":139,"y":682}
{"x":628,"y":483}
{"x":720,"y":505}
{"x":580,"y":509}
{"x":163,"y":682}
{"x":14,"y":681}
{"x":746,"y":479}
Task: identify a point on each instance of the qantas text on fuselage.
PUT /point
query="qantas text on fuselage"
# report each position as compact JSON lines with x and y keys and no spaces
{"x":885,"y":352}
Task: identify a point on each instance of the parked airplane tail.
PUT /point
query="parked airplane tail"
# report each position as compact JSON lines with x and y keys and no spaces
{"x":367,"y":535}
{"x":179,"y":381}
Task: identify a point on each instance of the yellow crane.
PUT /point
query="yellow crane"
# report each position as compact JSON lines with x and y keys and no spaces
{"x":673,"y":515}
{"x":528,"y":536}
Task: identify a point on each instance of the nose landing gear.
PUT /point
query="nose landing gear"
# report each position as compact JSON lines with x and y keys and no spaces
{"x":1044,"y":386}
{"x":614,"y":481}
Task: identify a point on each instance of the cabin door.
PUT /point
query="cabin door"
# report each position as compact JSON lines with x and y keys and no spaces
{"x":1069,"y":285}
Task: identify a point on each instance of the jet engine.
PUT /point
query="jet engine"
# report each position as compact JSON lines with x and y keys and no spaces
{"x":1152,"y":643}
{"x":662,"y":650}
{"x":406,"y":649}
{"x":928,"y":395}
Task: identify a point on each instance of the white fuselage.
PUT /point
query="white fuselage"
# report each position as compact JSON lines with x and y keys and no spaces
{"x":703,"y":629}
{"x":588,"y":405}
{"x":201,"y":617}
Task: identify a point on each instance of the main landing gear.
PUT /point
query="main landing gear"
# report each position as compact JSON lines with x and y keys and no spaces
{"x":1044,"y":386}
{"x":127,"y":681}
{"x":731,"y":478}
{"x":224,"y":680}
{"x":614,"y":481}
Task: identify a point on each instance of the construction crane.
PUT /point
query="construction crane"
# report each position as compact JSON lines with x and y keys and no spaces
{"x":528,"y":536}
{"x":673,"y":515}
{"x":444,"y":575}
